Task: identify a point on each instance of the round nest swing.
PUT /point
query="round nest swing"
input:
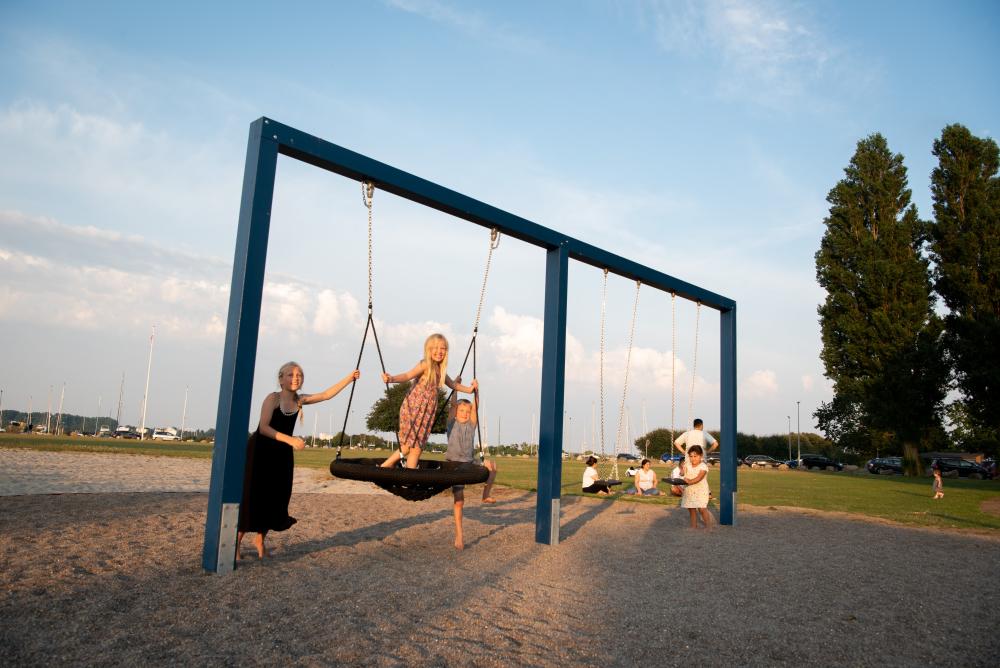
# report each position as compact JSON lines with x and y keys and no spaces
{"x":423,"y":482}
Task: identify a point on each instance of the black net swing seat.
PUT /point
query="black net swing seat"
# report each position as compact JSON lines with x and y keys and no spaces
{"x":427,"y":480}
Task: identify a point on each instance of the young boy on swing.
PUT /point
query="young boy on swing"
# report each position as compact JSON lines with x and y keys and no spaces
{"x":462,"y":422}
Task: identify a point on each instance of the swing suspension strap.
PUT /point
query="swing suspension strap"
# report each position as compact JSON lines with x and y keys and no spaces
{"x":673,"y":366}
{"x":694,"y":364}
{"x":604,"y":305}
{"x":367,"y":197}
{"x":494,"y":243}
{"x":620,"y":437}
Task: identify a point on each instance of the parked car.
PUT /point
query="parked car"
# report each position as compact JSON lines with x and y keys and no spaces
{"x":671,"y":458}
{"x":624,"y":456}
{"x":964,"y":467}
{"x":165,"y":435}
{"x":883,"y":464}
{"x":819,"y":462}
{"x":792,"y":463}
{"x":761,"y":461}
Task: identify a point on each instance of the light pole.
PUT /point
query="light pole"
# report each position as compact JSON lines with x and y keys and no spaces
{"x":789,"y":437}
{"x":798,"y":430}
{"x":145,"y":395}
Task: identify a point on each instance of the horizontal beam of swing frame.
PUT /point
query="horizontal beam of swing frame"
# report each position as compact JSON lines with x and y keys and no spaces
{"x":268,"y":138}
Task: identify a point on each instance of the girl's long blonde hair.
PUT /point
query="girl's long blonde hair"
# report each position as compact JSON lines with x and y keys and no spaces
{"x":434,"y":373}
{"x":281,"y":372}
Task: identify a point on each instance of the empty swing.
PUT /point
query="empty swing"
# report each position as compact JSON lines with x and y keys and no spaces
{"x":430,"y":477}
{"x":673,"y":384}
{"x":611,"y":473}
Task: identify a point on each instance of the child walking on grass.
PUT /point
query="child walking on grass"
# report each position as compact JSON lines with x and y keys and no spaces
{"x":938,"y":485}
{"x":695,"y":494}
{"x":419,"y":408}
{"x":462,"y":420}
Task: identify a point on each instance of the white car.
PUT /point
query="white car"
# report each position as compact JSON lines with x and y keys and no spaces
{"x":165,"y":435}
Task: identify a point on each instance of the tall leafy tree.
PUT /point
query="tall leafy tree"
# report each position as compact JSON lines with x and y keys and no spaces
{"x":966,"y":255}
{"x":881,"y":337}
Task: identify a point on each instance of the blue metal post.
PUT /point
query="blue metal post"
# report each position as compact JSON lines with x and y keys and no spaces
{"x":229,"y":454}
{"x":727,"y":437}
{"x":550,"y":427}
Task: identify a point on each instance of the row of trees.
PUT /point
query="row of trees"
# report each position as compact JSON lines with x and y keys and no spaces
{"x":893,"y":353}
{"x":658,"y":441}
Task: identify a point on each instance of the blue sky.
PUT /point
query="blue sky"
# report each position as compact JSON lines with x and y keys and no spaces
{"x":698,"y":138}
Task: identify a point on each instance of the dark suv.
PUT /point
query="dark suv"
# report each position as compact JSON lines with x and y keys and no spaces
{"x":884,"y":464}
{"x":819,"y":462}
{"x":965,"y":468}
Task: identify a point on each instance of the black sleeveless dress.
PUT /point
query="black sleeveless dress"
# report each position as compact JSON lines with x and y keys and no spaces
{"x":267,"y":482}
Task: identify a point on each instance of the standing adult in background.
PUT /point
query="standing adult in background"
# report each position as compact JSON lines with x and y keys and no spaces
{"x":696,"y":436}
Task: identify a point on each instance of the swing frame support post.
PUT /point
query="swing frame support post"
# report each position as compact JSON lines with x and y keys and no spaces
{"x":550,"y":432}
{"x":242,"y":326}
{"x":727,"y":402}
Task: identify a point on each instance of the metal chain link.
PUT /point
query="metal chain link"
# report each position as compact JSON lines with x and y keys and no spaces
{"x":367,"y":197}
{"x":628,"y":361}
{"x":494,"y":243}
{"x":694,"y":367}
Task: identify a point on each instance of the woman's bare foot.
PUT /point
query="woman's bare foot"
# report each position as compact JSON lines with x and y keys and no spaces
{"x":258,"y":542}
{"x":489,"y":499}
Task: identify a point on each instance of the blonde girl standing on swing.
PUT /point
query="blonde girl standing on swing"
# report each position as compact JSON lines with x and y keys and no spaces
{"x":419,"y":408}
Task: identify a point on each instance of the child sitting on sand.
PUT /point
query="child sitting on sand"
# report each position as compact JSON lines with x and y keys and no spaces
{"x":462,"y":421}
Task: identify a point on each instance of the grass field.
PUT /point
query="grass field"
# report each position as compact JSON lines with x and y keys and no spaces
{"x":906,"y":500}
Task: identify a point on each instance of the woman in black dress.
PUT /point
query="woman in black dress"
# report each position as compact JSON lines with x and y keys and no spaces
{"x":267,"y":485}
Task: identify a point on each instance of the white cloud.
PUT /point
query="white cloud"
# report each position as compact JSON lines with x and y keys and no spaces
{"x":765,"y":50}
{"x":807,"y":382}
{"x":761,"y":383}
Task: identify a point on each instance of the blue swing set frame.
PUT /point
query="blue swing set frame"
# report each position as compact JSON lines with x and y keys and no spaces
{"x":268,"y":138}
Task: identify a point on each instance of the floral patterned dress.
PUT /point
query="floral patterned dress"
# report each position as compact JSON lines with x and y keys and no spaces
{"x":416,"y":415}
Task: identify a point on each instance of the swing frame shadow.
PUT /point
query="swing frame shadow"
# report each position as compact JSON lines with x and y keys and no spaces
{"x":268,"y":139}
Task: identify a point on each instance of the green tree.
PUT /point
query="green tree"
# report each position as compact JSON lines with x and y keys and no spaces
{"x":384,"y":414}
{"x":881,"y":338}
{"x":966,"y":255}
{"x":659,"y":442}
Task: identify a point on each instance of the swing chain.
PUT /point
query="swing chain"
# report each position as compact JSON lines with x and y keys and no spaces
{"x":628,"y":360}
{"x":694,"y":364}
{"x":494,"y":243}
{"x":604,"y":304}
{"x":673,"y":366}
{"x":367,"y":197}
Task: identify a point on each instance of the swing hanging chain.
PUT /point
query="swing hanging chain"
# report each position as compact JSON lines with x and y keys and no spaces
{"x":694,"y":364}
{"x":604,"y":304}
{"x":367,"y":198}
{"x":673,"y":366}
{"x":628,"y":361}
{"x":494,"y":243}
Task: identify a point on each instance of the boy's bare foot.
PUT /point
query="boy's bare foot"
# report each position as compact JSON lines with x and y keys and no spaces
{"x":489,"y":499}
{"x":459,"y":545}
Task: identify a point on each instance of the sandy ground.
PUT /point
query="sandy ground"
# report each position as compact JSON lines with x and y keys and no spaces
{"x":115,"y":579}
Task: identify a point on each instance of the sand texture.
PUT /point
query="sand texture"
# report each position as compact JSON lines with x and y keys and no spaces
{"x":116,"y":579}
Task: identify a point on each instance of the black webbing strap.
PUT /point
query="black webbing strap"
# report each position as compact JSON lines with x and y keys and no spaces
{"x":370,"y":325}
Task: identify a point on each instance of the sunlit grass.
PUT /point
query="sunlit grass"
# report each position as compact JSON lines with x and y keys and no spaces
{"x":896,"y":498}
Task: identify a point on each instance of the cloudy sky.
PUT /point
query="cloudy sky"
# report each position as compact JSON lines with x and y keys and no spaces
{"x":700,"y":138}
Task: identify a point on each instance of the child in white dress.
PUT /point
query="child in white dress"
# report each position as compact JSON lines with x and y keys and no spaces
{"x":695,"y":494}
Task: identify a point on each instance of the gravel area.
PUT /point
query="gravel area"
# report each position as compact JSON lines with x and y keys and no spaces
{"x":115,"y":579}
